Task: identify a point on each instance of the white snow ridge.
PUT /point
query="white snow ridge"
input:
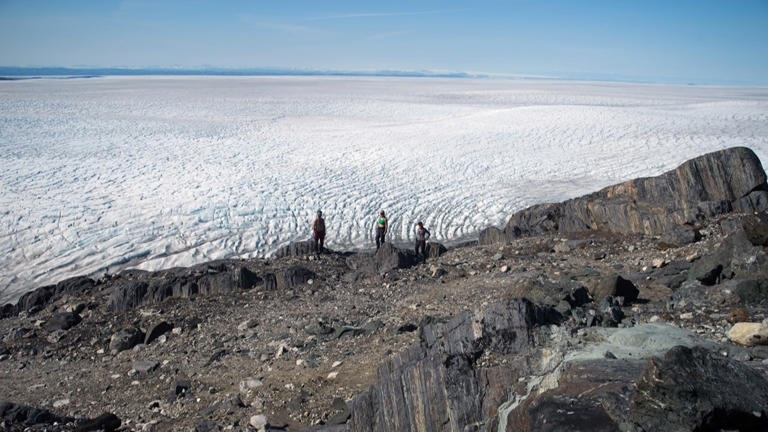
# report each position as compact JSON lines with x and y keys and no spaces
{"x":156,"y":172}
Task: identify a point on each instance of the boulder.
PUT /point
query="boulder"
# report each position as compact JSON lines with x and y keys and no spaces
{"x":434,"y":249}
{"x":156,"y":331}
{"x":389,"y":258}
{"x":751,"y":291}
{"x":125,"y":339}
{"x":754,"y":226}
{"x":62,"y":321}
{"x":677,"y":236}
{"x":615,"y":286}
{"x":749,"y":334}
{"x":736,"y":257}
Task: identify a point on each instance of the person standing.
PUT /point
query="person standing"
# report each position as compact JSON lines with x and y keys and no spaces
{"x":422,"y":235}
{"x":381,"y":229}
{"x":318,"y":230}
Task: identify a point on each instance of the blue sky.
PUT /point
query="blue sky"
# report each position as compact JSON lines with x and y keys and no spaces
{"x":697,"y":41}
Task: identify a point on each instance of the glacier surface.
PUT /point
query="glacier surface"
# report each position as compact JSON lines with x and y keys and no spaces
{"x":105,"y":173}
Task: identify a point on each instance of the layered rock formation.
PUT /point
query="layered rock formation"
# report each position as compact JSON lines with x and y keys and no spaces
{"x":707,"y":186}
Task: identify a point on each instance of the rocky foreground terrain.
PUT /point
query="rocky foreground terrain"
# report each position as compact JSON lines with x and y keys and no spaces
{"x":641,"y":307}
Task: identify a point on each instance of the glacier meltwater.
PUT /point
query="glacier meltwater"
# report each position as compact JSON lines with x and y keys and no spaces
{"x":104,"y":173}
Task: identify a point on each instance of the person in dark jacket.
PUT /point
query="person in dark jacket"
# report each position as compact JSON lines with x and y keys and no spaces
{"x":318,"y":230}
{"x":382,"y":225}
{"x":422,"y":235}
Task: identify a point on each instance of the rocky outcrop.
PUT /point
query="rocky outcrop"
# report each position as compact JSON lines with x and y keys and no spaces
{"x":25,"y":416}
{"x":697,"y":389}
{"x":40,"y":297}
{"x":709,"y":185}
{"x":134,"y":288}
{"x":685,"y":389}
{"x":435,"y":385}
{"x":298,"y":248}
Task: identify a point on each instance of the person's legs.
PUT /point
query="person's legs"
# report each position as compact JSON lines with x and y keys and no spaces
{"x":421,"y":245}
{"x":317,"y":240}
{"x":379,"y":238}
{"x":322,"y":242}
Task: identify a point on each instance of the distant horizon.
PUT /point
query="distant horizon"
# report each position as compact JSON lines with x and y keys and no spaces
{"x":701,"y":42}
{"x":32,"y":72}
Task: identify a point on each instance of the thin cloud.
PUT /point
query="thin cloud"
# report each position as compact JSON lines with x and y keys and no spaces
{"x":379,"y":14}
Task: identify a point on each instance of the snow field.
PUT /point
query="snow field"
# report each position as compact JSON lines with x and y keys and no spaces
{"x":154,"y":172}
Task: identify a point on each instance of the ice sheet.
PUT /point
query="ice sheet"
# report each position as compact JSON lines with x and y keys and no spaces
{"x":154,"y":172}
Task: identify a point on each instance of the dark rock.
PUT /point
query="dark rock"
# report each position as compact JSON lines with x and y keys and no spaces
{"x":577,"y":296}
{"x":107,"y":422}
{"x":406,"y":328}
{"x":8,"y":310}
{"x":700,"y":188}
{"x":270,"y":282}
{"x":491,"y":236}
{"x":348,"y":331}
{"x":156,"y":331}
{"x":178,"y":389}
{"x":40,"y":297}
{"x":125,"y":339}
{"x":579,"y":402}
{"x":434,"y":249}
{"x":695,"y":389}
{"x":736,"y":257}
{"x":15,"y":414}
{"x":127,"y":295}
{"x":389,"y":258}
{"x":247,"y":279}
{"x":207,"y":426}
{"x":62,"y":321}
{"x":298,"y":248}
{"x":294,"y":276}
{"x":752,"y":291}
{"x":434,"y":383}
{"x":216,"y":356}
{"x":616,"y":286}
{"x":611,"y":312}
{"x":372,"y":326}
{"x":134,"y":288}
{"x":143,"y":366}
{"x":677,"y":236}
{"x":318,"y":328}
{"x":755,"y":227}
{"x":342,"y":412}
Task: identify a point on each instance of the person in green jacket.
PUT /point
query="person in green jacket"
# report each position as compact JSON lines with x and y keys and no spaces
{"x":381,"y":229}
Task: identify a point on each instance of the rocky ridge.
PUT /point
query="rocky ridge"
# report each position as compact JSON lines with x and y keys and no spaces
{"x":560,"y":326}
